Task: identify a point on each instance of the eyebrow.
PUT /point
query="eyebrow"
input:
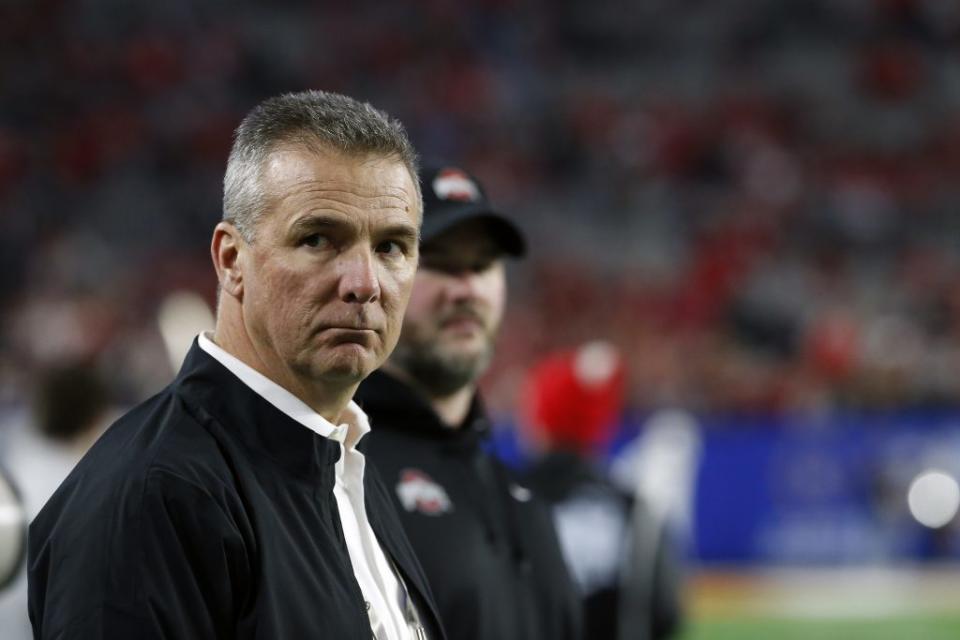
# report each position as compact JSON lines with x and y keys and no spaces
{"x":406,"y":232}
{"x":313,"y":222}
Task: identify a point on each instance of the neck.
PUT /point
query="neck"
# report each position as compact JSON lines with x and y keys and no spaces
{"x":327,"y":401}
{"x":451,"y":408}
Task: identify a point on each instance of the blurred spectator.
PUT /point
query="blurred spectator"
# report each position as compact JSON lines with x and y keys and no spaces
{"x":71,"y":408}
{"x":761,"y":190}
{"x":13,"y":531}
{"x":618,"y":550}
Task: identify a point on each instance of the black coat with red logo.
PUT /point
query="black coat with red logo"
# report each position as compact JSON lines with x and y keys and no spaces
{"x":487,"y":545}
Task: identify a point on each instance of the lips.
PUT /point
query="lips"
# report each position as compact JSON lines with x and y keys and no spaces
{"x":347,"y":325}
{"x":466,"y":320}
{"x":462,"y":323}
{"x":348,"y":335}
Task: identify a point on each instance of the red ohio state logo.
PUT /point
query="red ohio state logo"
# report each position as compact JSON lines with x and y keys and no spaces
{"x":418,"y":492}
{"x":454,"y":184}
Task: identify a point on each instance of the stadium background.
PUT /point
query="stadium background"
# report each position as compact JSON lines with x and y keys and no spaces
{"x":756,"y":201}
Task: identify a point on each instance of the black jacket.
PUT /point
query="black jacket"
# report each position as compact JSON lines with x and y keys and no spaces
{"x":206,"y":512}
{"x":627,"y":572}
{"x":489,"y":550}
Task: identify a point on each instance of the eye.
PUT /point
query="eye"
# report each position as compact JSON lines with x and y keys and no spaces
{"x":439,"y":265}
{"x":391,"y":248}
{"x":482,"y":265}
{"x":314,"y":240}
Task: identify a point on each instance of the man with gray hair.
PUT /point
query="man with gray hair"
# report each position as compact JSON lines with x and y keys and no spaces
{"x":235,"y":503}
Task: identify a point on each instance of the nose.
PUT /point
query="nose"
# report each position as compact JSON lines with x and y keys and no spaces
{"x":462,"y":285}
{"x":358,"y":277}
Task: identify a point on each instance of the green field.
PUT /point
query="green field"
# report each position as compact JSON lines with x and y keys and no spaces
{"x":906,"y":628}
{"x":825,"y":604}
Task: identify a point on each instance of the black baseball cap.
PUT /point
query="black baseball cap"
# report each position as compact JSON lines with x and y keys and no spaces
{"x":451,"y":196}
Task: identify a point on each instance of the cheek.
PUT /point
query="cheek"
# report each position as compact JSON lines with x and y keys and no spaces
{"x":495,"y":293}
{"x":426,"y":299}
{"x":283,"y":298}
{"x":397,"y":291}
{"x":419,"y":300}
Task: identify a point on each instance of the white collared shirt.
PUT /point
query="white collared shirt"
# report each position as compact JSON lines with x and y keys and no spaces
{"x":379,"y":583}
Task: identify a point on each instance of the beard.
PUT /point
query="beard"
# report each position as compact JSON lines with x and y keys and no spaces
{"x":438,"y":368}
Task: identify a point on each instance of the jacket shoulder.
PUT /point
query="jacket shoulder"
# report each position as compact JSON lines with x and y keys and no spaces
{"x":161,"y":433}
{"x":157,"y":469}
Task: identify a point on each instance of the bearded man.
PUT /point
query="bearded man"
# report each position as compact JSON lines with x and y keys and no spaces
{"x":486,"y":544}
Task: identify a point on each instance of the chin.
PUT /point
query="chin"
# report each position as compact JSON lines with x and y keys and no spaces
{"x":464,"y":349}
{"x":343,"y":376}
{"x":344,"y":368}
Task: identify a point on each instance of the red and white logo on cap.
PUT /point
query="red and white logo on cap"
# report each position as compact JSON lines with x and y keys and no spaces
{"x":454,"y":184}
{"x":418,"y":492}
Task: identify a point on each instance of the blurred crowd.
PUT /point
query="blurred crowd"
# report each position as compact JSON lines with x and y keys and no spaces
{"x":753,"y":199}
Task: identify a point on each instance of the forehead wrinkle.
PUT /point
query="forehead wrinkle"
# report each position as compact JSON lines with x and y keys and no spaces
{"x":372,"y":199}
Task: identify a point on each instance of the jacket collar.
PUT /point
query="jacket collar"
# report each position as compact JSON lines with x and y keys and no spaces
{"x":205,"y":385}
{"x":353,"y":422}
{"x":391,"y":404}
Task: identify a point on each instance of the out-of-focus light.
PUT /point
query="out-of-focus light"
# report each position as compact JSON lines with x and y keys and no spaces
{"x":934,"y":498}
{"x":181,"y":316}
{"x":10,"y":515}
{"x":595,"y":363}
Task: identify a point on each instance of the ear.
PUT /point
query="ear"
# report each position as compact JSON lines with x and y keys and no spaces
{"x":225,"y":249}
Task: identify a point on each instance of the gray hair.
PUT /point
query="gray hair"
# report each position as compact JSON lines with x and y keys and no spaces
{"x":333,"y":121}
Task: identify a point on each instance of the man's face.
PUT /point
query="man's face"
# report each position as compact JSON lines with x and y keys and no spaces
{"x":330,"y":269}
{"x":455,"y":310}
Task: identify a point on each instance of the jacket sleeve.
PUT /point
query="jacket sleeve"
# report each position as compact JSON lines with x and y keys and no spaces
{"x":178,"y":569}
{"x":650,"y":604}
